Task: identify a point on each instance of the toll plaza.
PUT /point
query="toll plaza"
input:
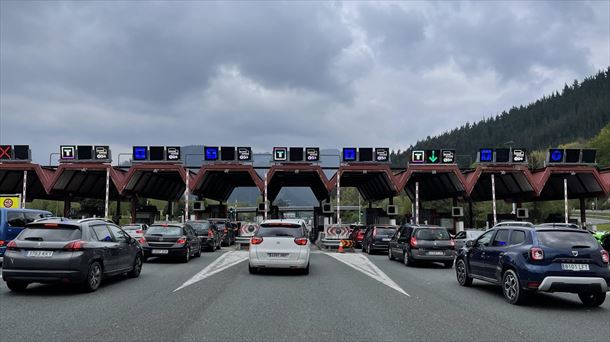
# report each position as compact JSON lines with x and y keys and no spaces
{"x":297,"y":175}
{"x":18,"y":175}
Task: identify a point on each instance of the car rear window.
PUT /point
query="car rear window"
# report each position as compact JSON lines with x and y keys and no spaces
{"x":132,"y":228}
{"x":280,"y":230}
{"x":162,"y":230}
{"x":432,"y":234}
{"x":384,"y":231}
{"x":201,"y":228}
{"x":51,"y":234}
{"x":565,"y":239}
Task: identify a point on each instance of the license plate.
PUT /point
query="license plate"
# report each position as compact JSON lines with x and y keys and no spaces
{"x":436,"y":253}
{"x":160,"y":251}
{"x":575,"y":267}
{"x":277,"y":255}
{"x":386,"y":239}
{"x":40,"y":254}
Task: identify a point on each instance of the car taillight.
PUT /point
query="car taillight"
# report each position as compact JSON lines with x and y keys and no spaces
{"x":210,"y":233}
{"x":300,"y":241}
{"x":142,"y":241}
{"x":139,"y":231}
{"x":536,"y":253}
{"x":605,"y":257}
{"x":181,"y":241}
{"x":256,"y":240}
{"x":360,"y":234}
{"x":77,"y":245}
{"x":413,"y":241}
{"x":11,"y":245}
{"x":1,"y":243}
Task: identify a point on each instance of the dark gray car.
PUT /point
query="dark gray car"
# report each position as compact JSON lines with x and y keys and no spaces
{"x":70,"y":251}
{"x":413,"y":243}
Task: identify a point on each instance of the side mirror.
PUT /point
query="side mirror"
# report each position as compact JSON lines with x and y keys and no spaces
{"x":470,"y":243}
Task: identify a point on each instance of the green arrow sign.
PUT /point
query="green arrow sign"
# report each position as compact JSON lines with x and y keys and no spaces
{"x":433,"y":156}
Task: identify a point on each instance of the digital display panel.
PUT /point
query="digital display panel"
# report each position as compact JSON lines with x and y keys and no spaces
{"x":67,"y":152}
{"x":518,"y":155}
{"x":296,"y":154}
{"x":101,"y":152}
{"x":244,"y":153}
{"x":588,"y":156}
{"x":433,"y":156}
{"x":486,"y":155}
{"x":349,"y":154}
{"x":172,"y":153}
{"x":210,"y":153}
{"x":502,"y":155}
{"x":140,"y":153}
{"x":417,"y":157}
{"x":382,"y":154}
{"x":156,"y":153}
{"x":572,"y":156}
{"x":227,"y":153}
{"x":448,"y":156}
{"x":6,"y":152}
{"x":312,"y":154}
{"x":280,"y":154}
{"x":556,"y":155}
{"x":84,"y":152}
{"x":21,"y":152}
{"x":365,"y":154}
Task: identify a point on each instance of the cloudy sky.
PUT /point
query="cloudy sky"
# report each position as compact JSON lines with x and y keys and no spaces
{"x":270,"y":74}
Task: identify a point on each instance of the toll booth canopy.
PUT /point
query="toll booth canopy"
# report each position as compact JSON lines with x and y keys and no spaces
{"x":374,"y":182}
{"x":435,"y":182}
{"x":158,"y":181}
{"x":310,"y":176}
{"x":11,"y":180}
{"x":86,"y":180}
{"x":217,"y":181}
{"x":583,"y":182}
{"x":511,"y":182}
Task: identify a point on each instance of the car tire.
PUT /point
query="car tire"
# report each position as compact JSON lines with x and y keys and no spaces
{"x":137,"y":267}
{"x":252,"y":270}
{"x":390,"y":256}
{"x":592,"y":299}
{"x":198,"y":254}
{"x":511,"y":288}
{"x":16,"y":285}
{"x":187,"y":255}
{"x":406,"y":259}
{"x":305,"y":271}
{"x":94,"y":277}
{"x":448,"y":264}
{"x":461,"y":274}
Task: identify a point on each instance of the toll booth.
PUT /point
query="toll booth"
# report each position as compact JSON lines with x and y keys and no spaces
{"x":37,"y":178}
{"x":217,"y":181}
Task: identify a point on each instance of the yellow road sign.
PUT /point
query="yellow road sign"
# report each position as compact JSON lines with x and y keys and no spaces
{"x":10,"y":201}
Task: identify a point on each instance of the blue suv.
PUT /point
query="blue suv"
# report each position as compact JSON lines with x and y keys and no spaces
{"x":524,"y":260}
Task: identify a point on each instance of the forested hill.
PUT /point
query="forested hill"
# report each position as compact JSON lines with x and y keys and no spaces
{"x":578,"y":112}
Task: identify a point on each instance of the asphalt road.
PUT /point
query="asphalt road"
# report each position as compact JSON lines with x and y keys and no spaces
{"x":334,"y":302}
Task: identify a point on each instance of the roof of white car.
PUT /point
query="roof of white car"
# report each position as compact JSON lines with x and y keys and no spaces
{"x":295,"y":221}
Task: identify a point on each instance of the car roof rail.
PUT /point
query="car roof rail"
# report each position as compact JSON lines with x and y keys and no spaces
{"x":55,"y":218}
{"x":89,"y":219}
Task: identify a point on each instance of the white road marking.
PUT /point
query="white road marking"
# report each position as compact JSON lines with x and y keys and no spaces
{"x":361,"y":263}
{"x":222,"y":263}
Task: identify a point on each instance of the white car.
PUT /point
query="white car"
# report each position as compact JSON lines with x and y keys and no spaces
{"x":135,"y":230}
{"x":280,"y":244}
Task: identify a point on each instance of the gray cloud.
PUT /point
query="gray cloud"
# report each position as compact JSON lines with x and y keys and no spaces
{"x":263,"y":74}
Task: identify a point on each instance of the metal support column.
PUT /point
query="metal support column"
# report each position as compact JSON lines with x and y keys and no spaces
{"x":25,"y":187}
{"x":107,"y":198}
{"x":186,"y":197}
{"x":265,"y":197}
{"x":583,"y":213}
{"x":338,"y":197}
{"x":565,"y":199}
{"x":134,"y":206}
{"x":416,"y":202}
{"x":67,"y":204}
{"x":493,"y":198}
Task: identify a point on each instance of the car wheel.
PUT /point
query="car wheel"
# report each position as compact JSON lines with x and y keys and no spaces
{"x":305,"y":271}
{"x":94,"y":277}
{"x":16,"y":285}
{"x":511,"y":288}
{"x":448,"y":264}
{"x":198,"y":254}
{"x":187,"y":255}
{"x":390,"y":256}
{"x":462,"y":274}
{"x":592,"y":299}
{"x":406,"y":259}
{"x":137,"y":267}
{"x":252,"y":270}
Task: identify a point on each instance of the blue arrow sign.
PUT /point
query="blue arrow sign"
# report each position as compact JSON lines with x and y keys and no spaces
{"x":556,"y":155}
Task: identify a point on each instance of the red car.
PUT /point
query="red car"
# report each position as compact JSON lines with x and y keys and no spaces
{"x":357,"y":234}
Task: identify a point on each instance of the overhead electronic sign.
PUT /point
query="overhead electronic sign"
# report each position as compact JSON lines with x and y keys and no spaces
{"x":227,"y":153}
{"x":587,"y":156}
{"x":486,"y":155}
{"x":21,"y":152}
{"x":84,"y":152}
{"x":312,"y":154}
{"x":572,"y":156}
{"x":433,"y":156}
{"x":518,"y":155}
{"x":280,"y":154}
{"x":365,"y":154}
{"x":417,"y":157}
{"x":140,"y":153}
{"x":67,"y":152}
{"x":502,"y":155}
{"x":156,"y":153}
{"x":101,"y":153}
{"x":210,"y":153}
{"x":6,"y":152}
{"x":296,"y":154}
{"x":244,"y":153}
{"x":349,"y":154}
{"x":172,"y":153}
{"x":382,"y":154}
{"x":448,"y":156}
{"x":556,"y":155}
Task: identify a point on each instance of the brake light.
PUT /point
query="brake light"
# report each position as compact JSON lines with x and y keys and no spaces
{"x":256,"y":240}
{"x":54,"y":225}
{"x":142,"y":241}
{"x":1,"y":243}
{"x":300,"y":241}
{"x":605,"y":257}
{"x":76,"y":245}
{"x":210,"y":233}
{"x":413,"y":241}
{"x":536,"y":253}
{"x":11,"y":245}
{"x":139,"y":231}
{"x":181,"y":241}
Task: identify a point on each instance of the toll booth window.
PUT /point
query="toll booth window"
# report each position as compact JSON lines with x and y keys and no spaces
{"x":15,"y":219}
{"x":501,"y":238}
{"x":101,"y":233}
{"x":517,"y":237}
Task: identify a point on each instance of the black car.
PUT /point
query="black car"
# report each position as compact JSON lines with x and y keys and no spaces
{"x":357,"y":234}
{"x":70,"y":251}
{"x":209,"y":237}
{"x":377,"y":238}
{"x":413,"y":243}
{"x":177,"y":240}
{"x":227,"y":229}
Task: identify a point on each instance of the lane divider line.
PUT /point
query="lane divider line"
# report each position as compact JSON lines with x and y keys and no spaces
{"x":223,"y":262}
{"x":361,"y":263}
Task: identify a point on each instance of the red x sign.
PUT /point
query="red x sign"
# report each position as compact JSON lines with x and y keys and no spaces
{"x":5,"y":151}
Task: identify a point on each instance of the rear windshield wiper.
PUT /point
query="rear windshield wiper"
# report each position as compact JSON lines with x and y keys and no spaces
{"x":581,"y":246}
{"x":155,"y":234}
{"x":34,"y":238}
{"x":282,"y":235}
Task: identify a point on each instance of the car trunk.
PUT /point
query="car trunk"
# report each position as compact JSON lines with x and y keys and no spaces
{"x":282,"y":247}
{"x":43,"y":247}
{"x":569,"y":247}
{"x":161,"y":241}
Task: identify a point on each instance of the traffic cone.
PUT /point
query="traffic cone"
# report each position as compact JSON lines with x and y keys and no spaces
{"x":341,"y":247}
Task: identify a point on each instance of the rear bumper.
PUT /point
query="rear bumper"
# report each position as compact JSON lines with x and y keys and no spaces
{"x":43,"y":276}
{"x":573,"y":284}
{"x":205,"y":242}
{"x":380,"y":246}
{"x":433,"y":257}
{"x":171,"y":252}
{"x":243,"y":240}
{"x":297,"y":263}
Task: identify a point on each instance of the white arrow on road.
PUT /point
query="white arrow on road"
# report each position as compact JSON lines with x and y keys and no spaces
{"x":222,"y":263}
{"x":361,"y":263}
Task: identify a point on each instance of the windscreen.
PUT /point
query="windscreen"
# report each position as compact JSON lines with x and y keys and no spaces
{"x":50,"y":234}
{"x":565,"y":239}
{"x":432,"y":234}
{"x":280,"y":230}
{"x":160,"y":230}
